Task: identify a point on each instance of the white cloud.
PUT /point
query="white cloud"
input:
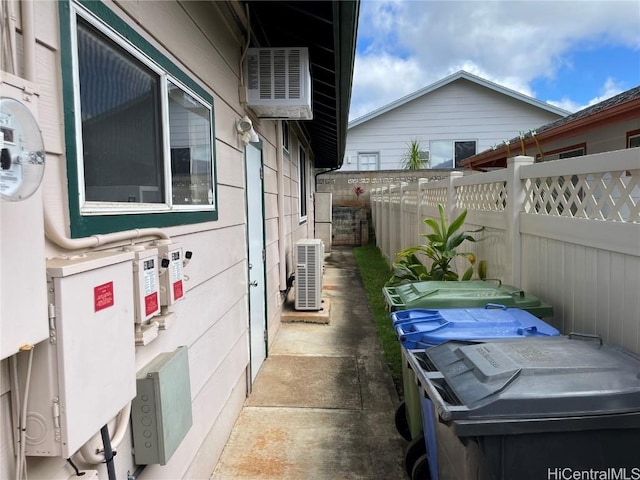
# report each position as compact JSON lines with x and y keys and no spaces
{"x":376,"y":81}
{"x":406,"y":45}
{"x":608,"y":90}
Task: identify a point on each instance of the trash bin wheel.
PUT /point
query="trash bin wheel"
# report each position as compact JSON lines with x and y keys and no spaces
{"x":402,"y":425}
{"x":415,"y":450}
{"x":420,"y":469}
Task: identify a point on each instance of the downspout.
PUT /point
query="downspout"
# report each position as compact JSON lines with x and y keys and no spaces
{"x":29,"y":40}
{"x":281,"y":230}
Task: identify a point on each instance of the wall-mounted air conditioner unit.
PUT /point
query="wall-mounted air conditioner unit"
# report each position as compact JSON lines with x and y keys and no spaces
{"x":309,"y":261}
{"x":278,"y":83}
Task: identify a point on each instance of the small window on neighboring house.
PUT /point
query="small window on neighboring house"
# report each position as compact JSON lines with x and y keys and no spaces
{"x":633,"y":139}
{"x":285,"y":136}
{"x":140,"y":141}
{"x":302,"y":183}
{"x":567,"y":152}
{"x":368,"y":161}
{"x":449,"y":153}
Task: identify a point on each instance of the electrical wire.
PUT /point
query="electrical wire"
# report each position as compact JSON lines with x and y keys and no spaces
{"x":244,"y":51}
{"x":21,"y":409}
{"x":93,"y":455}
{"x":15,"y":389}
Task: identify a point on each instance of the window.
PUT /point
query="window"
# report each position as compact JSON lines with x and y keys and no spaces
{"x":449,"y":153}
{"x":285,"y":136}
{"x":140,"y":131}
{"x":566,"y":152}
{"x":302,"y":183}
{"x":633,"y":139}
{"x":367,"y":161}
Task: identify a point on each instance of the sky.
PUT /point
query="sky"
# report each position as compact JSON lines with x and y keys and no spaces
{"x":571,"y":54}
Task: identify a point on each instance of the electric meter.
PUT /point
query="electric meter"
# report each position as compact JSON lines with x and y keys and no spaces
{"x":22,"y":151}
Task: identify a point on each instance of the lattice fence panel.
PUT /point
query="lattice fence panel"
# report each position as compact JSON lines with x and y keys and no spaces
{"x":611,"y":196}
{"x":486,"y":197}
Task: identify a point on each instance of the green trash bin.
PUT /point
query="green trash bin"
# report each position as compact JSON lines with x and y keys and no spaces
{"x":469,"y":294}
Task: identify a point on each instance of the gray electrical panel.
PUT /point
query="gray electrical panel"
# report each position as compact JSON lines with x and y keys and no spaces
{"x":161,"y":411}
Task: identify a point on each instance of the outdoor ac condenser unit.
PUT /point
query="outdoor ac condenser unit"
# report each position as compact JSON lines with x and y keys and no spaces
{"x":309,"y":261}
{"x":279,"y":83}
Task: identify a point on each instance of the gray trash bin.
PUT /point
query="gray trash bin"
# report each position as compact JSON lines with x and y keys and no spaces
{"x":531,"y":408}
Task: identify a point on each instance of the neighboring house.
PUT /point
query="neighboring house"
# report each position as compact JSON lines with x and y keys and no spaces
{"x":451,"y":119}
{"x":139,"y":106}
{"x":613,"y":124}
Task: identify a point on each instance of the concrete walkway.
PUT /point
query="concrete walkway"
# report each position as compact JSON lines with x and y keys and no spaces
{"x":323,"y":404}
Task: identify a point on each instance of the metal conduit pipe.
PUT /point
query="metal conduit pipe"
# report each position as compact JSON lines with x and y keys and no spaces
{"x":90,"y":451}
{"x":29,"y":40}
{"x":281,"y":229}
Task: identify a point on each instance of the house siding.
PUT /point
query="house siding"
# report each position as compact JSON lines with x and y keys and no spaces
{"x":213,"y":318}
{"x":460,"y":110}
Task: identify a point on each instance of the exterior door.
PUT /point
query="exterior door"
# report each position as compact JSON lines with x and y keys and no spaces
{"x":256,"y":273}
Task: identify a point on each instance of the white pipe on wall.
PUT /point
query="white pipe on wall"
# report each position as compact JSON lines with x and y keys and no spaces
{"x":29,"y":40}
{"x":61,"y":240}
{"x":281,"y":229}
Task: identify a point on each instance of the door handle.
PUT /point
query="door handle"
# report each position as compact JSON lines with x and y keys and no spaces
{"x":253,"y":284}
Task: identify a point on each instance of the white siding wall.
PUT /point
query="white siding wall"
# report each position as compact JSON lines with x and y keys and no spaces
{"x":213,"y":318}
{"x":460,"y":110}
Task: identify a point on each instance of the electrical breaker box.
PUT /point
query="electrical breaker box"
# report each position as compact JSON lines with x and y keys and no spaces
{"x":161,"y":412}
{"x":23,"y":279}
{"x":171,"y":281}
{"x":146,"y":282}
{"x":86,"y":372}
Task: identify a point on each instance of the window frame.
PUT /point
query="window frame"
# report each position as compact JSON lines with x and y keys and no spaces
{"x":452,"y":142}
{"x":302,"y":184}
{"x":286,"y":136}
{"x":112,"y":217}
{"x":377,"y":165}
{"x":632,"y":135}
{"x":556,"y":154}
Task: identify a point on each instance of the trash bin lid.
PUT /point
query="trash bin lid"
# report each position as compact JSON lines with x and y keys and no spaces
{"x":532,"y":377}
{"x":422,"y":327}
{"x":473,"y":293}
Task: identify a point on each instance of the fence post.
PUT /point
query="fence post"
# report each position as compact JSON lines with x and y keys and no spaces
{"x":403,"y":227}
{"x":515,"y":201}
{"x":450,"y":207}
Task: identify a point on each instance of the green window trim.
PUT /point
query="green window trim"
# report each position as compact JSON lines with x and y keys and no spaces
{"x":86,"y":225}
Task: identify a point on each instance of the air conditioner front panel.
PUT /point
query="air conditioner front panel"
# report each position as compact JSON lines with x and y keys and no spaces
{"x":309,"y":261}
{"x":279,"y":82}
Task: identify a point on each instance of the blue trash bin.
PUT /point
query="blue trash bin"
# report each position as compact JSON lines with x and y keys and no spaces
{"x":419,"y":329}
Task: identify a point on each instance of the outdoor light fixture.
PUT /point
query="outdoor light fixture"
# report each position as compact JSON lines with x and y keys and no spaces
{"x":245,"y":130}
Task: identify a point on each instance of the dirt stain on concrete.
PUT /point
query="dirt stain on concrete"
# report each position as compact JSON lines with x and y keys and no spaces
{"x":267,"y":457}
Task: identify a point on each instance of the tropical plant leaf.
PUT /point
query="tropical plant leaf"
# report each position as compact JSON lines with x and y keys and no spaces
{"x":457,"y":223}
{"x":468,"y":274}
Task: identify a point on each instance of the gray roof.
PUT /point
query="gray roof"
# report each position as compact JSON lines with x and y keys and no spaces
{"x":452,"y":78}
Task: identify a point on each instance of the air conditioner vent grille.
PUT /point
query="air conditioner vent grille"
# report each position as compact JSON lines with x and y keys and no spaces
{"x":279,"y":83}
{"x":309,"y":259}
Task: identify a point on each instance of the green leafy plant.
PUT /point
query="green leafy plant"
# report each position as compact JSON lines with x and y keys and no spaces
{"x":440,"y":248}
{"x":414,"y":158}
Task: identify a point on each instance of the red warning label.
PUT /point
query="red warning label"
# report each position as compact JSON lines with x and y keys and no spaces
{"x":151,"y":304}
{"x":177,"y":290}
{"x":103,"y":296}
